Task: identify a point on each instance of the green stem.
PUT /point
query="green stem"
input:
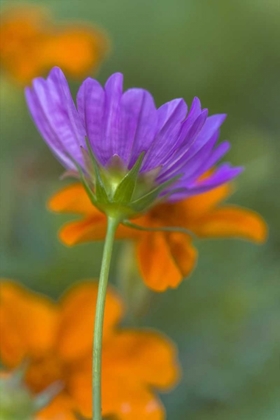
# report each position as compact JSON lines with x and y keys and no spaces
{"x":99,"y":317}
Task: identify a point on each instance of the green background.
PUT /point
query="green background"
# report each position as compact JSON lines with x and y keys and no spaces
{"x":226,"y":317}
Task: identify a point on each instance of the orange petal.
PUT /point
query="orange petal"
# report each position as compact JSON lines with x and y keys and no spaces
{"x":73,"y":199}
{"x":77,"y":50}
{"x":164,"y":259}
{"x":85,"y":230}
{"x":28,"y":323}
{"x":131,"y":401}
{"x":92,"y":229}
{"x":202,"y":203}
{"x":132,"y":363}
{"x":77,"y":318}
{"x":61,"y":408}
{"x":182,"y":251}
{"x":122,"y":397}
{"x":44,"y":372}
{"x":21,"y":33}
{"x":31,"y":45}
{"x":145,"y":356}
{"x":182,"y":213}
{"x":232,"y":222}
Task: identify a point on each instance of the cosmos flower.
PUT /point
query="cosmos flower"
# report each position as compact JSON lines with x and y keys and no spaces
{"x":129,"y":153}
{"x":31,"y":44}
{"x":55,"y":342}
{"x":164,"y":258}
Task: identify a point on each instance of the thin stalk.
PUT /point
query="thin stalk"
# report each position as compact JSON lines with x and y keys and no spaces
{"x":99,"y":317}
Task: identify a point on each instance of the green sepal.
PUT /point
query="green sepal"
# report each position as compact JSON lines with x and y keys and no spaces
{"x":100,"y":191}
{"x":125,"y":189}
{"x":145,"y":201}
{"x":86,"y":186}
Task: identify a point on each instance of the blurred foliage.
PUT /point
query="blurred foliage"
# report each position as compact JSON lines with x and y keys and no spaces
{"x":226,"y":318}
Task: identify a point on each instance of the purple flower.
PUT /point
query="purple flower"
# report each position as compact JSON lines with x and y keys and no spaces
{"x":176,"y":143}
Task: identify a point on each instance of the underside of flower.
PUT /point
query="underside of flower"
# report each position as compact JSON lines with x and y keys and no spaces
{"x":120,"y":193}
{"x":128,"y":153}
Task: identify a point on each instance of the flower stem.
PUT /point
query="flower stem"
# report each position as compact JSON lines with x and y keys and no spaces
{"x":99,"y":317}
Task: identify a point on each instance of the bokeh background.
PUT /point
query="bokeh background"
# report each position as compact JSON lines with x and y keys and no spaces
{"x":226,"y":317}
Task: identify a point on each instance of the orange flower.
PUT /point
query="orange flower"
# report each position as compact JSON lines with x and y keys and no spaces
{"x":56,"y":341}
{"x":164,"y":258}
{"x":31,"y":44}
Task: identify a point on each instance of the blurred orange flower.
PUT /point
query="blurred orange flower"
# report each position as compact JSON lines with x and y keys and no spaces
{"x":31,"y":44}
{"x":164,"y":258}
{"x":55,"y":340}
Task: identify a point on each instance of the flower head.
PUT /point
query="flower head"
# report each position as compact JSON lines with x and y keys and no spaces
{"x":31,"y":44}
{"x":164,"y":257}
{"x":55,"y":342}
{"x":130,"y":153}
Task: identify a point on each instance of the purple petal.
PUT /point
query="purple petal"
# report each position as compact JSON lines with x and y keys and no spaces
{"x":91,"y":105}
{"x":171,"y":113}
{"x":197,"y":167}
{"x":174,"y":165}
{"x":63,"y":100}
{"x":62,"y":128}
{"x":125,"y":125}
{"x":204,"y":137}
{"x":112,"y":116}
{"x":186,"y":137}
{"x":46,"y":130}
{"x":192,"y":116}
{"x":131,"y":104}
{"x":223,"y":174}
{"x":214,"y":157}
{"x":170,"y":118}
{"x":212,"y":124}
{"x":139,"y":123}
{"x":197,"y":164}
